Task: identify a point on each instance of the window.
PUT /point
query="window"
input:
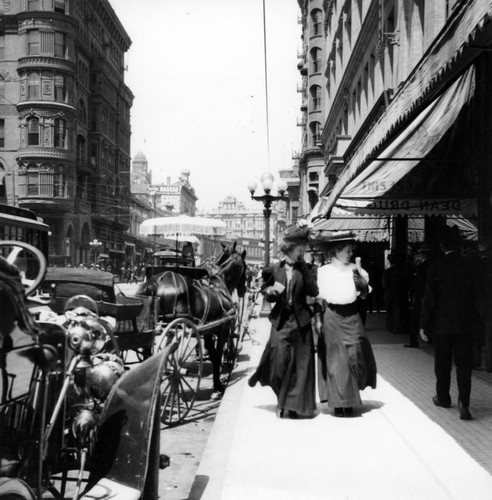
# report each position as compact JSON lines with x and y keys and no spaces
{"x":32,"y":183}
{"x":33,"y":4}
{"x":60,"y":44}
{"x":60,"y":6}
{"x":42,"y":181}
{"x":2,"y":133}
{"x":316,"y":97}
{"x":315,"y":128}
{"x":2,"y":47}
{"x":59,"y":88}
{"x":33,"y":86}
{"x":82,"y":112}
{"x":316,"y":59}
{"x":58,"y":183}
{"x":317,"y":17}
{"x":60,"y":133}
{"x":33,"y":43}
{"x":33,"y":131}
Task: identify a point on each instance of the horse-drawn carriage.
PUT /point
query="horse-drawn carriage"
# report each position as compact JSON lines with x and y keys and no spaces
{"x":72,"y":410}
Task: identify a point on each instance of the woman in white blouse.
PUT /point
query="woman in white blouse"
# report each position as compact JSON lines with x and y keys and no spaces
{"x":346,"y":360}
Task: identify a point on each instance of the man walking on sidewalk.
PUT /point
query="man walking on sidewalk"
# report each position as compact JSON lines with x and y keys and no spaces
{"x":446,"y":305}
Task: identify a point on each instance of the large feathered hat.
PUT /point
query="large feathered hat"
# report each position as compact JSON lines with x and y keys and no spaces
{"x":335,"y":237}
{"x":296,"y":233}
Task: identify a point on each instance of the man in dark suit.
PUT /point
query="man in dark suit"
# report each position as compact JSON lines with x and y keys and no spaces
{"x":446,"y":305}
{"x":287,"y":363}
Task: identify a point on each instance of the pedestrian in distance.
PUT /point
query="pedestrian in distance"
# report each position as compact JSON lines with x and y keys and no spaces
{"x":346,"y":360}
{"x":287,"y":364}
{"x":447,"y":303}
{"x":396,"y":285}
{"x":422,"y":259}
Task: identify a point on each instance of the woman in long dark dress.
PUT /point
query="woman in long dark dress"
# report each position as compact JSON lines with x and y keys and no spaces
{"x":287,"y":364}
{"x":346,"y":359}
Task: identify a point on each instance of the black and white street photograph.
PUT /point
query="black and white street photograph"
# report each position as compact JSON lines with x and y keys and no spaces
{"x":245,"y":250}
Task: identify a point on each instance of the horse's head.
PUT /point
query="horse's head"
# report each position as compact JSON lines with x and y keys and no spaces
{"x":232,"y":268}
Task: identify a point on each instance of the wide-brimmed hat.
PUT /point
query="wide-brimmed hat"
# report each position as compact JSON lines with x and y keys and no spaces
{"x":296,"y":234}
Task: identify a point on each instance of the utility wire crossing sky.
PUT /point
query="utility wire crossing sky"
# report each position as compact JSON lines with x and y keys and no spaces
{"x":197,"y":71}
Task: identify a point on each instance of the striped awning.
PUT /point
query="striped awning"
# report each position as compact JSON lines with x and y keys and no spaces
{"x":392,"y":185}
{"x":444,"y":56}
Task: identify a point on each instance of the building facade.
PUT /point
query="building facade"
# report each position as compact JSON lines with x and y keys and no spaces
{"x":176,"y":197}
{"x":309,"y":162}
{"x":246,"y":226}
{"x":403,"y":138}
{"x":65,"y":122}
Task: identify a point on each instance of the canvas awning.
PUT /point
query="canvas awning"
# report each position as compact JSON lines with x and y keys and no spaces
{"x":365,"y":227}
{"x":424,"y":170}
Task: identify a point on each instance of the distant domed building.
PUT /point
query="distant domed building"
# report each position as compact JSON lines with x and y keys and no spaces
{"x":140,"y":169}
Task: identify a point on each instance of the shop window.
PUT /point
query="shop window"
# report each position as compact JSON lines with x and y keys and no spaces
{"x":33,"y":131}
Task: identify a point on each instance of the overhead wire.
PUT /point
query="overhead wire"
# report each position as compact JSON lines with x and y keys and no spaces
{"x":266,"y":84}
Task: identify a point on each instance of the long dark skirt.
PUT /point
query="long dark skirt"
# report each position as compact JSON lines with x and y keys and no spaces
{"x":287,"y":366}
{"x":346,"y":360}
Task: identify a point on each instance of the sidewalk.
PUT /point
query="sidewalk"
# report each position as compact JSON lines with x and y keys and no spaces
{"x":399,"y":446}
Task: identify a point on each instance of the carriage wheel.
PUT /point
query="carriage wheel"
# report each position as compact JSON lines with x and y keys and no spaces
{"x":17,"y":251}
{"x":183,"y":371}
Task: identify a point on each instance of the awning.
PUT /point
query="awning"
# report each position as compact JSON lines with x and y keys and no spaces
{"x":367,"y":228}
{"x":419,"y":173}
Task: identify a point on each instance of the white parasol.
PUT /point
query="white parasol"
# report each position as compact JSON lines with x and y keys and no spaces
{"x":182,"y":225}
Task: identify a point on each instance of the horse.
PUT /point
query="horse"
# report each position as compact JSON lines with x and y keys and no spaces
{"x":205,"y":299}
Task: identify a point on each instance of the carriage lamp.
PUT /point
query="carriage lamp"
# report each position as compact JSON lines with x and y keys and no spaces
{"x":267,"y":199}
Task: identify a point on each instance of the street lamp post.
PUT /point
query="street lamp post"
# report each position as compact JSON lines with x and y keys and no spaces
{"x":267,"y":199}
{"x":153,"y":193}
{"x":95,"y":245}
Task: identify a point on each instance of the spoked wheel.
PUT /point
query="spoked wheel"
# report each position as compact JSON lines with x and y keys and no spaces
{"x":183,"y":371}
{"x":30,"y":262}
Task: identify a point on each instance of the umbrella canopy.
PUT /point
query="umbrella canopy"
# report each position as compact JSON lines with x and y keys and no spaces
{"x":181,"y":239}
{"x":182,"y":225}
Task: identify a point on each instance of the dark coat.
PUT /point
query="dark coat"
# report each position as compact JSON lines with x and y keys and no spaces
{"x":303,"y":286}
{"x":448,"y":296}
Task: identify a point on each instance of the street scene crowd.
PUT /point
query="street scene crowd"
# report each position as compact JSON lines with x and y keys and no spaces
{"x":319,"y":309}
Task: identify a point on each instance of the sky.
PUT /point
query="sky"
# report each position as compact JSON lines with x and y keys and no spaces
{"x":197,"y":71}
